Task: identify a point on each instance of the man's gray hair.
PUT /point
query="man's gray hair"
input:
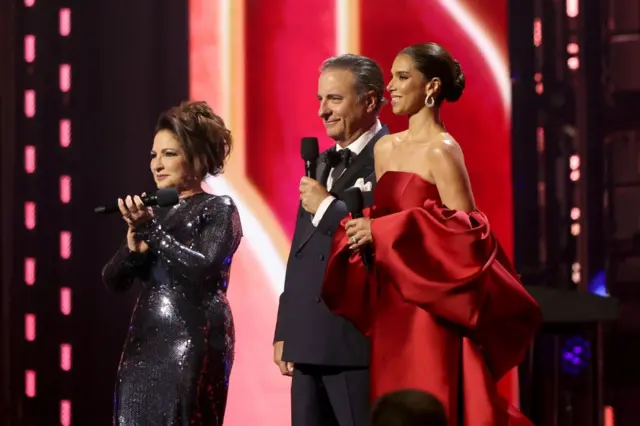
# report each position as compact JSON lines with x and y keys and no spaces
{"x":367,"y":73}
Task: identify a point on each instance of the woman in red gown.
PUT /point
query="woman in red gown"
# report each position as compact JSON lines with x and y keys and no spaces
{"x":442,"y":304}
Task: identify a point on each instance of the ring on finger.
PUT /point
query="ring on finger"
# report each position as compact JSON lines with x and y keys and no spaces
{"x":353,"y":240}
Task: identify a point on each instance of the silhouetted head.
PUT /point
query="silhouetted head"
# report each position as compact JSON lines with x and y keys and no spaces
{"x":409,"y":408}
{"x":190,"y":141}
{"x":351,"y":93}
{"x":424,"y":75}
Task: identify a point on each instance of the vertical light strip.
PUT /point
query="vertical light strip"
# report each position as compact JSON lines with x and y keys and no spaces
{"x":347,"y":23}
{"x":29,"y":48}
{"x":29,"y":159}
{"x":204,"y":46}
{"x":30,"y":327}
{"x":30,"y":383}
{"x":65,"y":412}
{"x":30,"y":271}
{"x":342,"y":26}
{"x":65,"y":357}
{"x":573,"y":8}
{"x":236,"y":72}
{"x":65,"y":300}
{"x":224,"y":25}
{"x":64,"y":22}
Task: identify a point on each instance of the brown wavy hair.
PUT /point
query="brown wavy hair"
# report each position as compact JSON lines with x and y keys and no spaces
{"x":202,"y":134}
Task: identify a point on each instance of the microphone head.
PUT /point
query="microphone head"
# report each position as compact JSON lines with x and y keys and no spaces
{"x":352,"y":197}
{"x":309,"y":149}
{"x":167,"y":197}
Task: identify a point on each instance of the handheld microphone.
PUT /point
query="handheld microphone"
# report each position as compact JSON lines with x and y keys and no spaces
{"x":352,"y":197}
{"x":310,"y":153}
{"x":163,"y":197}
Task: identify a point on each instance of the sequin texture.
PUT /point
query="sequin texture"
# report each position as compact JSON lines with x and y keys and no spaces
{"x":179,"y":349}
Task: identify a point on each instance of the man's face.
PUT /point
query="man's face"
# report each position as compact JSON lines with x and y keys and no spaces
{"x":340,"y":109}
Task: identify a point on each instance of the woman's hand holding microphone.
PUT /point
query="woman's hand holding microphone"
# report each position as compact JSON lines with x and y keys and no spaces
{"x":134,"y":212}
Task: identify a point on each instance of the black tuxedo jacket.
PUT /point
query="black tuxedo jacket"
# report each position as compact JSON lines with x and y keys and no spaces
{"x":311,"y":333}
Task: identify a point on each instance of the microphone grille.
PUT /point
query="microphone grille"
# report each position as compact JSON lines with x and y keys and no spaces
{"x":167,"y":197}
{"x":309,"y":149}
{"x":352,"y":197}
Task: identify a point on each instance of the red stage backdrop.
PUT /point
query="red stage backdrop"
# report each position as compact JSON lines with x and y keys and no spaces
{"x":256,"y":62}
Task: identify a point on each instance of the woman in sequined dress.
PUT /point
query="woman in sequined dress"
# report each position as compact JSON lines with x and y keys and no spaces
{"x":179,"y":349}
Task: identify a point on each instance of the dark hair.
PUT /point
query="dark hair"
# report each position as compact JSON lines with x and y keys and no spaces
{"x":434,"y":61}
{"x":409,"y":408}
{"x":366,"y":71}
{"x":203,"y":136}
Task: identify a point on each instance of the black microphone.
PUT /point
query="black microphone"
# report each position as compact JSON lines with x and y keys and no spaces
{"x":163,"y":198}
{"x":310,"y":153}
{"x":352,"y":197}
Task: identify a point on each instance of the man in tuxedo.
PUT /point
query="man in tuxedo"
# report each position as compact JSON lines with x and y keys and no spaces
{"x":327,"y":357}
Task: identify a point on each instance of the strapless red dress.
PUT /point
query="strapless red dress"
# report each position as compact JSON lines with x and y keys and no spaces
{"x":443,"y":305}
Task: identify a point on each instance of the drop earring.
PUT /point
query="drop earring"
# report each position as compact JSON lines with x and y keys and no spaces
{"x":429,"y":102}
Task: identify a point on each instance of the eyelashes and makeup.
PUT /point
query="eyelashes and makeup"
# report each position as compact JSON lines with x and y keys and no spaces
{"x":153,"y":154}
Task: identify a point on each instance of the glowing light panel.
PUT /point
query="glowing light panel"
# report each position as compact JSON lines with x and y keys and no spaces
{"x":64,"y":22}
{"x":65,"y":189}
{"x":65,"y":413}
{"x":30,"y":383}
{"x":65,"y":357}
{"x":30,"y":103}
{"x":30,"y":215}
{"x":65,"y":300}
{"x":65,"y":77}
{"x":30,"y":327}
{"x":29,"y":48}
{"x":65,"y":133}
{"x":65,"y":244}
{"x":29,"y":159}
{"x":30,"y":271}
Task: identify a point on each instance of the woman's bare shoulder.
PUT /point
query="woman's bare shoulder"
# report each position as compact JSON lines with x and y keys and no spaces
{"x":386,"y":141}
{"x":444,"y":145}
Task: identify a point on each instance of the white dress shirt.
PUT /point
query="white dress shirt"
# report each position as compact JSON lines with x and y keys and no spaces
{"x":356,"y":148}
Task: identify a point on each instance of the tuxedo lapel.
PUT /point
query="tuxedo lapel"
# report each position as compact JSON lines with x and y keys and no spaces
{"x":323,"y":170}
{"x":362,"y":166}
{"x":322,"y":174}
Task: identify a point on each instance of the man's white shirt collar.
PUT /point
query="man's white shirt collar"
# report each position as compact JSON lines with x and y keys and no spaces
{"x":358,"y":145}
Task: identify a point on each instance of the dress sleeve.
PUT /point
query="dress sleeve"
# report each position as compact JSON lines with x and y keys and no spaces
{"x":347,"y":288}
{"x":450,"y":264}
{"x":434,"y":256}
{"x":119,"y":274}
{"x":216,"y":240}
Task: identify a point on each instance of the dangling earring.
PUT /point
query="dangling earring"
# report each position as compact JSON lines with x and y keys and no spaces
{"x":429,"y":102}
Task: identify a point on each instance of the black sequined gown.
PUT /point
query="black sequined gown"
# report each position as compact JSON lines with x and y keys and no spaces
{"x":179,"y":350}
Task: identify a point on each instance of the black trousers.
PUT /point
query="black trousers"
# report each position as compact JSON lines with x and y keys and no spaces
{"x":330,"y":396}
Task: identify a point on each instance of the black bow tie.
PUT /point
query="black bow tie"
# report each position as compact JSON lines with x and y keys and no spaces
{"x":343,"y":158}
{"x":346,"y":157}
{"x":340,"y":161}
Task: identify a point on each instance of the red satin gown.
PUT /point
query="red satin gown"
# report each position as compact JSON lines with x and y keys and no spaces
{"x":443,"y":305}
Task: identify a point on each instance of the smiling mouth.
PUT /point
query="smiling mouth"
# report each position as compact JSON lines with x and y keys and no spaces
{"x":329,"y":123}
{"x":160,"y":177}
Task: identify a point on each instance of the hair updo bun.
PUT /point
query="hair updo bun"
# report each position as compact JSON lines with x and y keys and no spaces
{"x":203,"y":136}
{"x":458,"y":86}
{"x":434,"y":61}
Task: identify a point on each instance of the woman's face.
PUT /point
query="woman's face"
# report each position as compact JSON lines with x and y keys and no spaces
{"x":168,"y":161}
{"x":407,"y":86}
